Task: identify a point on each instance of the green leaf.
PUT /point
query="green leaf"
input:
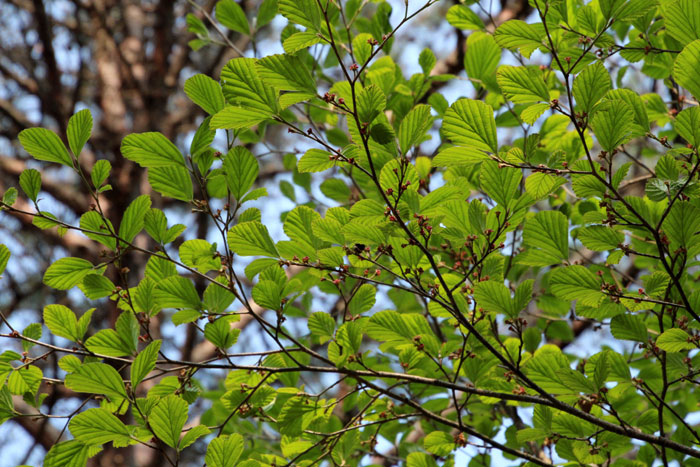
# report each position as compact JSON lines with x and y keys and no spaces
{"x":687,"y":125}
{"x":576,"y":283}
{"x":533,"y":112}
{"x":370,"y":103}
{"x":97,"y":378}
{"x":266,"y":12}
{"x":92,"y":222}
{"x":100,"y":172}
{"x":500,"y":183}
{"x":241,"y":169}
{"x":71,"y":453}
{"x":61,"y":321}
{"x":69,"y":363}
{"x":174,"y":182}
{"x":30,"y":181}
{"x":394,"y":175}
{"x":462,"y":17}
{"x":97,"y":427}
{"x":682,"y":20}
{"x":224,"y":451}
{"x":199,"y":254}
{"x":600,"y":238}
{"x":79,"y":130}
{"x":66,"y":273}
{"x":628,"y":327}
{"x":95,"y":286}
{"x":481,"y":58}
{"x":193,"y":434}
{"x":167,"y":419}
{"x":427,"y":61}
{"x":44,"y":145}
{"x":494,"y":296}
{"x":4,"y":257}
{"x":674,"y":340}
{"x":590,"y":86}
{"x":470,"y":123}
{"x":641,"y":119}
{"x":439,"y":443}
{"x":286,"y":73}
{"x":298,"y":226}
{"x":244,"y":88}
{"x":32,"y":331}
{"x":363,"y":299}
{"x":295,"y":416}
{"x":84,"y":322}
{"x":456,"y":156}
{"x":682,"y":223}
{"x":420,"y":459}
{"x":251,"y":239}
{"x":519,"y":35}
{"x":151,"y":149}
{"x":299,"y":41}
{"x":25,"y":380}
{"x":230,"y":14}
{"x":177,"y":292}
{"x":302,"y":12}
{"x":315,"y":160}
{"x":133,"y":220}
{"x":204,"y":91}
{"x":539,"y":185}
{"x":10,"y":196}
{"x":522,"y":84}
{"x":684,"y":68}
{"x":321,"y":325}
{"x":361,"y":47}
{"x":235,"y":118}
{"x":613,"y":126}
{"x":220,"y":333}
{"x":108,"y":342}
{"x":414,"y":127}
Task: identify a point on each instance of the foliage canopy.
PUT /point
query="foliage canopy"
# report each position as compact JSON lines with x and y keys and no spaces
{"x":421,"y":293}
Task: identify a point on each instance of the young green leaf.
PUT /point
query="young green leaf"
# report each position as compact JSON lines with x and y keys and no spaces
{"x":133,"y":220}
{"x":66,"y":273}
{"x":613,"y":126}
{"x":224,"y":451}
{"x":167,"y":419}
{"x":251,"y":239}
{"x":590,"y":86}
{"x":414,"y":127}
{"x":144,"y":362}
{"x":241,"y":169}
{"x":230,"y":14}
{"x":174,"y":182}
{"x":4,"y":257}
{"x":44,"y":145}
{"x":576,"y":283}
{"x":522,"y":84}
{"x":151,"y":150}
{"x":628,"y":327}
{"x":98,"y":427}
{"x":30,"y":181}
{"x":470,"y":123}
{"x":97,"y":378}
{"x":79,"y":130}
{"x":685,"y":65}
{"x":204,"y":91}
{"x":675,"y":340}
{"x":100,"y":172}
{"x":462,"y":17}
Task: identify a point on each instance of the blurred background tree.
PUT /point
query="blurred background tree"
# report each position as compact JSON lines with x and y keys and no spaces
{"x":127,"y":62}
